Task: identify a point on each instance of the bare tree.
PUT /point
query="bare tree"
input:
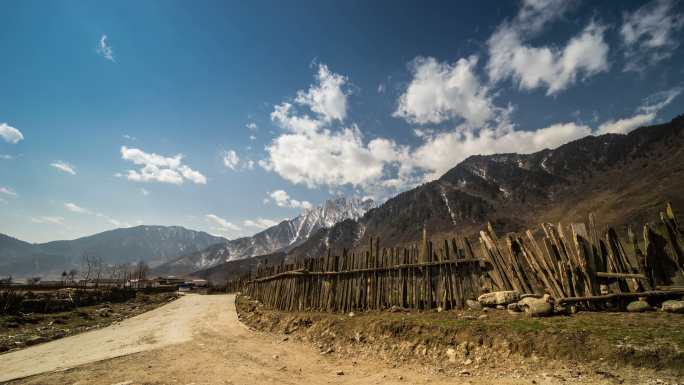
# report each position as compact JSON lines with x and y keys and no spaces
{"x":71,"y":275}
{"x":140,"y":271}
{"x":91,"y":269}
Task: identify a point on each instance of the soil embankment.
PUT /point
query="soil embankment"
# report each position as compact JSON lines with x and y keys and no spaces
{"x":480,"y":342}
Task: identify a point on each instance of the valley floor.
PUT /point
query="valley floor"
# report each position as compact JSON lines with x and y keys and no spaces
{"x":198,"y":339}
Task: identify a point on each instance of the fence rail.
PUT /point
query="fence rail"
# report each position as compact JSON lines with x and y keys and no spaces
{"x":567,"y":261}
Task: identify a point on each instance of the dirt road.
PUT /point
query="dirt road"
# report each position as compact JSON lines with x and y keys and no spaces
{"x":199,"y":340}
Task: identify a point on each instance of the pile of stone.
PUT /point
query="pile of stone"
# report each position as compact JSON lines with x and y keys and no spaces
{"x":530,"y":304}
{"x":670,"y":306}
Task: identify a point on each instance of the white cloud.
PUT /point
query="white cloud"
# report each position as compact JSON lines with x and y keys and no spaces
{"x":440,"y":91}
{"x":6,"y":157}
{"x":252,"y":137}
{"x":283,"y":199}
{"x":159,"y":168}
{"x":10,"y":134}
{"x":645,"y":114}
{"x":440,"y":152}
{"x":260,"y":223}
{"x":128,"y":137}
{"x":48,"y":220}
{"x":327,"y":98}
{"x":649,"y":33}
{"x":231,"y":159}
{"x":252,"y":126}
{"x":104,"y":49}
{"x":315,"y":153}
{"x":555,"y":69}
{"x":221,"y":223}
{"x":443,"y":151}
{"x":7,"y":191}
{"x":551,"y":67}
{"x":75,"y":208}
{"x":64,"y":166}
{"x":144,"y":192}
{"x":112,"y":221}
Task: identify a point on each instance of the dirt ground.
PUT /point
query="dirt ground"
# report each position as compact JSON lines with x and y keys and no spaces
{"x":199,"y":340}
{"x":22,"y":330}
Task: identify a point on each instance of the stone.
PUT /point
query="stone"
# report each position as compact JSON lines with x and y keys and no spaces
{"x":523,"y":296}
{"x":638,"y":306}
{"x":500,"y":307}
{"x":482,"y":316}
{"x":451,"y":354}
{"x":673,"y":306}
{"x":513,"y":307}
{"x":473,"y":305}
{"x":395,"y":309}
{"x":498,"y":298}
{"x":540,"y":308}
{"x":340,"y":373}
{"x":352,"y":314}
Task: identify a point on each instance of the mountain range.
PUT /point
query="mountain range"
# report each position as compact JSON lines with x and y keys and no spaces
{"x":151,"y":244}
{"x":622,"y":179}
{"x":282,"y":237}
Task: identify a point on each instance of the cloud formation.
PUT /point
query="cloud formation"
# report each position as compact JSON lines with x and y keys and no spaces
{"x":533,"y":67}
{"x":48,"y":220}
{"x":7,"y":191}
{"x":645,"y":114}
{"x":158,"y":168}
{"x":441,"y":91}
{"x":10,"y":134}
{"x":314,"y":151}
{"x":104,"y":49}
{"x":649,"y":33}
{"x":327,"y":98}
{"x":221,"y":225}
{"x":74,"y":208}
{"x":260,"y":223}
{"x":231,"y":159}
{"x":64,"y":167}
{"x":282,"y":199}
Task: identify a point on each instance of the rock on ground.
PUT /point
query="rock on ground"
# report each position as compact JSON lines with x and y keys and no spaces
{"x":498,"y":298}
{"x":638,"y":306}
{"x":673,"y":306}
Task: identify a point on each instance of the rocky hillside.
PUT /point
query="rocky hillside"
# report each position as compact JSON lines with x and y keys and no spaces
{"x":281,"y":237}
{"x":621,"y":178}
{"x":152,"y":244}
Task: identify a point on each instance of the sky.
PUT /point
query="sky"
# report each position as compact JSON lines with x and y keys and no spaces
{"x":229,"y":116}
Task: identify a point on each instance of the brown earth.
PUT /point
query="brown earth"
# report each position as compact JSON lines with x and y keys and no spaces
{"x":22,"y":330}
{"x":213,"y":347}
{"x":481,"y":342}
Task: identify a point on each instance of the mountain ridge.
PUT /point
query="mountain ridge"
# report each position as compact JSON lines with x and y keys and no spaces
{"x":149,"y":243}
{"x":281,"y":237}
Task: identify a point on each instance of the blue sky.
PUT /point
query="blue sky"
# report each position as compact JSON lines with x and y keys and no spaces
{"x":276,"y":106}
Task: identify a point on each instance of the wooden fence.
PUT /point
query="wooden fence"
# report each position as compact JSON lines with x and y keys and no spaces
{"x":573,"y":263}
{"x":376,"y":279}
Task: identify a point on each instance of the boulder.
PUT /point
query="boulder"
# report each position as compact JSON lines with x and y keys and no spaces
{"x":638,"y":306}
{"x":535,"y":307}
{"x":673,"y":306}
{"x":513,"y":307}
{"x":498,"y":298}
{"x":473,"y":305}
